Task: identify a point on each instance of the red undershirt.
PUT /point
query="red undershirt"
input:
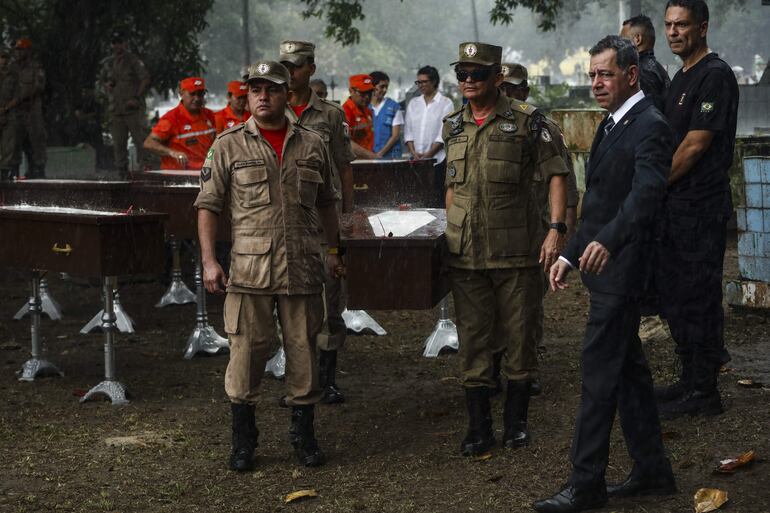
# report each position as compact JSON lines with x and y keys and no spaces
{"x":276,"y":138}
{"x":479,"y":121}
{"x":298,"y":109}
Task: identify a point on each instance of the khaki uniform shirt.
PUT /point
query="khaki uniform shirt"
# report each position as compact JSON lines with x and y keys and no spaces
{"x":126,"y":73}
{"x":328,"y":119}
{"x":542,"y":189}
{"x":495,"y":220}
{"x":9,"y":80}
{"x":276,"y":227}
{"x":31,"y":86}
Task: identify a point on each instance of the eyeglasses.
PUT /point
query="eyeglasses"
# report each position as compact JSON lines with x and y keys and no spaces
{"x":421,"y":82}
{"x":477,"y":75}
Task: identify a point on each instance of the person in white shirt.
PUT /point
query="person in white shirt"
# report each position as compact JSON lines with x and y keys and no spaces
{"x":423,"y":123}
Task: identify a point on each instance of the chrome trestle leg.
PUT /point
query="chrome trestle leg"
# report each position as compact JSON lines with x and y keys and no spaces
{"x":444,"y":334}
{"x":204,"y":338}
{"x":177,"y":293}
{"x":48,"y":304}
{"x":110,"y":387}
{"x":123,"y":321}
{"x":359,"y":321}
{"x":36,"y":366}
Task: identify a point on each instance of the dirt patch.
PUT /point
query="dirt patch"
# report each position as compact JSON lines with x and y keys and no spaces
{"x":392,"y":448}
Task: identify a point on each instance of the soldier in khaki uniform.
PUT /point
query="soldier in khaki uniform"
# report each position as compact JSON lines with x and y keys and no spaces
{"x":328,"y":119}
{"x":126,"y":80}
{"x":495,"y":234}
{"x":31,"y":136}
{"x":515,"y":86}
{"x":277,"y":176}
{"x":9,"y":78}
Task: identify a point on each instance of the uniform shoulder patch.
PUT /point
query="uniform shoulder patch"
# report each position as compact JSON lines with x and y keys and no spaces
{"x":545,"y":135}
{"x":456,"y":115}
{"x":526,"y":108}
{"x":229,"y":131}
{"x":333,"y":104}
{"x":707,"y":107}
{"x":205,"y":174}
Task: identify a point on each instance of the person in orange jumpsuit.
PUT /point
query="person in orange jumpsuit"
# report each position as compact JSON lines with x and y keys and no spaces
{"x":183,"y":135}
{"x":235,"y":112}
{"x":359,"y":116}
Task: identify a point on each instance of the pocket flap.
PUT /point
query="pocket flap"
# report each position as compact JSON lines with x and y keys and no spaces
{"x":252,"y":245}
{"x":456,"y":215}
{"x":503,"y":172}
{"x":507,"y":218}
{"x":309,"y":175}
{"x":502,"y":147}
{"x":250,"y":175}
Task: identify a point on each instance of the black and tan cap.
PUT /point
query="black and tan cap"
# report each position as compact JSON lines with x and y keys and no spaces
{"x":514,"y":73}
{"x":296,"y":52}
{"x":271,"y":71}
{"x":479,"y":53}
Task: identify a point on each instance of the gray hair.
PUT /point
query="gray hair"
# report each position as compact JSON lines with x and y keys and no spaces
{"x":626,"y":54}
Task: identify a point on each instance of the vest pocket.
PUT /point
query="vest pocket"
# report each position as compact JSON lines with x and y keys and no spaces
{"x":507,"y":233}
{"x":251,"y":264}
{"x":251,"y":186}
{"x":309,"y":181}
{"x":455,"y":229}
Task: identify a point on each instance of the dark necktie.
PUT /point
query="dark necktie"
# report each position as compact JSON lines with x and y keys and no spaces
{"x":610,"y":124}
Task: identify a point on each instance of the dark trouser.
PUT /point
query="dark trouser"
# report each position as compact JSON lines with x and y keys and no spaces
{"x":692,"y":259}
{"x":615,"y":375}
{"x":439,"y":171}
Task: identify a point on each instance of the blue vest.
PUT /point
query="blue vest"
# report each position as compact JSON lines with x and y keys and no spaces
{"x":383,"y":126}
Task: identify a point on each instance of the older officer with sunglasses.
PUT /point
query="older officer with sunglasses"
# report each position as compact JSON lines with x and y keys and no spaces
{"x":495,"y":146}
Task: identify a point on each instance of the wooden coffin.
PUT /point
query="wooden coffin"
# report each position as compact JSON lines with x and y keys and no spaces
{"x":390,"y":183}
{"x":393,"y":272}
{"x":82,"y":242}
{"x":87,"y":194}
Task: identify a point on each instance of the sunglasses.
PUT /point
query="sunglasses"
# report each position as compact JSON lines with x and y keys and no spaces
{"x":477,"y":75}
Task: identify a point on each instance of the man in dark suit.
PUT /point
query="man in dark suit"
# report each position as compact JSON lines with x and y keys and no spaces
{"x":625,"y":182}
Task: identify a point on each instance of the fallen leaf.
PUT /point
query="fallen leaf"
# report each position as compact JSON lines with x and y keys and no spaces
{"x":725,"y":370}
{"x":750,"y":383}
{"x":300,"y":494}
{"x":296,"y":474}
{"x":483,"y":457}
{"x":449,"y":379}
{"x":730,"y":465}
{"x":709,"y":499}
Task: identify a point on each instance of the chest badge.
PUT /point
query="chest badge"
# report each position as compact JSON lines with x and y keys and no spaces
{"x":187,"y":127}
{"x":452,"y":171}
{"x":508,"y":128}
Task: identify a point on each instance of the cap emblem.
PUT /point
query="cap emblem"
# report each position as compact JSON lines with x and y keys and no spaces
{"x":263,"y":68}
{"x":289,"y":47}
{"x":505,"y":70}
{"x":198,"y":82}
{"x":471,"y":50}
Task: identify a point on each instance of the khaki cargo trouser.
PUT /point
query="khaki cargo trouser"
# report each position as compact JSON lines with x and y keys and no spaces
{"x":123,"y":125}
{"x":497,"y":309}
{"x":251,"y":328}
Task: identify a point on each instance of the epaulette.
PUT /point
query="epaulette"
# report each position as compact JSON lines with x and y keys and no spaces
{"x":525,"y":108}
{"x":333,"y":104}
{"x":232,"y":129}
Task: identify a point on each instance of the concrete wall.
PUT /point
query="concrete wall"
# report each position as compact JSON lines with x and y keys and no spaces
{"x":754,"y":110}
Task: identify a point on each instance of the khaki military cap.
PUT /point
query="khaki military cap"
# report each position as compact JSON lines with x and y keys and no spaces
{"x":479,"y":53}
{"x":271,"y":71}
{"x":514,"y":73}
{"x":296,"y":52}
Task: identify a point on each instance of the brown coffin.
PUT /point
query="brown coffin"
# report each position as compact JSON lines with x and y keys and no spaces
{"x":390,"y":183}
{"x":83,"y":244}
{"x":393,"y":273}
{"x":87,"y":194}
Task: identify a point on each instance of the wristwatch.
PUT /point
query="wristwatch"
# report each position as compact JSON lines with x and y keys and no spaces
{"x":559,"y":227}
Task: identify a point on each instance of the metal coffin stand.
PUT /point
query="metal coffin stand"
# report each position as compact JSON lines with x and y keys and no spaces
{"x":89,"y":244}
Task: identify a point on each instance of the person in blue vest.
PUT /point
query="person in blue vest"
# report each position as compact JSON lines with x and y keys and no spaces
{"x":388,"y":119}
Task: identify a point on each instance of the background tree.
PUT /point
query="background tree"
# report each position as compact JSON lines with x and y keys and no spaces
{"x":72,"y":37}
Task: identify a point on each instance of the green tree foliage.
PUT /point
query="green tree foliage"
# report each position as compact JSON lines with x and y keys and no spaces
{"x":72,"y":37}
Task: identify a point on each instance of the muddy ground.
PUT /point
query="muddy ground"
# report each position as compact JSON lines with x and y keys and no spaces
{"x":393,"y":447}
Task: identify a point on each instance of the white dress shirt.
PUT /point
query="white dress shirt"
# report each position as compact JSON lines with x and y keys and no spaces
{"x":423,"y":123}
{"x":617,"y":116}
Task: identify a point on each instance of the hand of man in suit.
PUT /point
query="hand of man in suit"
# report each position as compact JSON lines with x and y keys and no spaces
{"x":558,"y":275}
{"x":552,"y":246}
{"x":594,"y":258}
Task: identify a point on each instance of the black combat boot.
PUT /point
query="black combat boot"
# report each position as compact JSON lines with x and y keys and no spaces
{"x":302,"y":437}
{"x":327,"y":363}
{"x":480,"y":437}
{"x":679,"y":388}
{"x":515,"y":414}
{"x":702,"y":399}
{"x":245,"y":435}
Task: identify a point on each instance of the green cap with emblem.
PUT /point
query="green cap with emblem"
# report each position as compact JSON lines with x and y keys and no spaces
{"x":479,"y":53}
{"x":271,"y":71}
{"x":296,"y":52}
{"x":514,"y":73}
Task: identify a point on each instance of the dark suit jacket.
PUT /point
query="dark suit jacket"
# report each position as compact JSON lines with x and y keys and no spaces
{"x":625,"y":183}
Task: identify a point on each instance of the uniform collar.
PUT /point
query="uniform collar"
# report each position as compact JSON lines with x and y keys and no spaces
{"x":502,"y":109}
{"x":250,"y":127}
{"x":188,"y":115}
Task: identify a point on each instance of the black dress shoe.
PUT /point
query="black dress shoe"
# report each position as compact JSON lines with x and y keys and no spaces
{"x":647,"y":485}
{"x":572,"y":500}
{"x":693,"y":403}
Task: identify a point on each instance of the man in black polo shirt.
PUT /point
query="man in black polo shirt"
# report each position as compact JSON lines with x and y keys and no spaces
{"x":701,"y":108}
{"x":653,"y":77}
